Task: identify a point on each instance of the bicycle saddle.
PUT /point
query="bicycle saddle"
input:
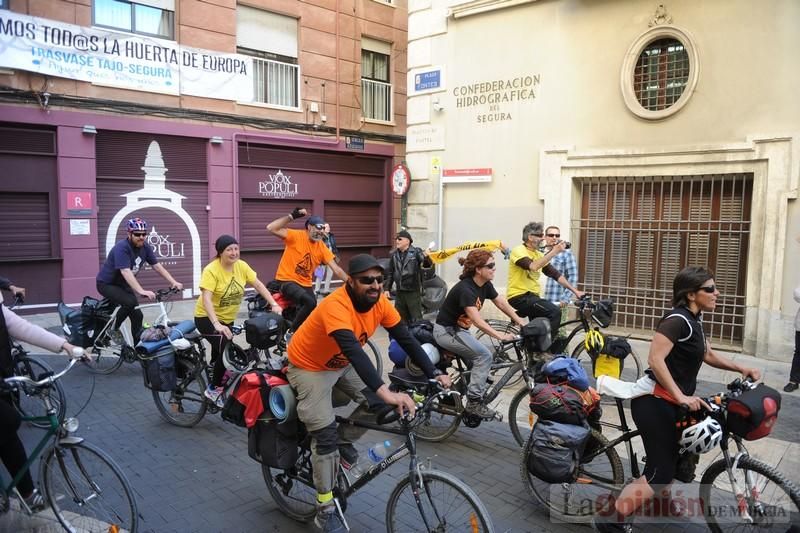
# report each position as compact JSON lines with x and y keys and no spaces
{"x":406,"y":380}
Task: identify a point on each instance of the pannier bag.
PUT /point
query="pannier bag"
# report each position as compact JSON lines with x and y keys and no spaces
{"x":611,"y":360}
{"x":273,"y":444}
{"x":603,"y":312}
{"x":557,"y":450}
{"x":536,"y":335}
{"x":562,"y":403}
{"x":78,"y":328}
{"x":565,"y":369}
{"x":250,"y":397}
{"x":159,"y":371}
{"x":753,"y":413}
{"x":264,"y":331}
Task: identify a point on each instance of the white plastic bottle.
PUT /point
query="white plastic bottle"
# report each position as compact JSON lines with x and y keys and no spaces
{"x":380,"y":451}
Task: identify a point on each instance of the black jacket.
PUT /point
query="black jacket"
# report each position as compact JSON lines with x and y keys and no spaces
{"x":405,"y":269}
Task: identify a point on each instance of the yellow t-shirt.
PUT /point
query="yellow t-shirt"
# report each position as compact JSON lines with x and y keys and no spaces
{"x":521,"y":280}
{"x":227,"y":289}
{"x":312,"y":347}
{"x":300,"y":257}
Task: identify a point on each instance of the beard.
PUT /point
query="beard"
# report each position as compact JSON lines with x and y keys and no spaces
{"x":363,"y":302}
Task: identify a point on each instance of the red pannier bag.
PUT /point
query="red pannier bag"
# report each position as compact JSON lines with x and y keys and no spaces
{"x":752,"y":414}
{"x":250,"y":397}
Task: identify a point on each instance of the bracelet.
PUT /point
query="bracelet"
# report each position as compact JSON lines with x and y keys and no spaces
{"x":290,"y":216}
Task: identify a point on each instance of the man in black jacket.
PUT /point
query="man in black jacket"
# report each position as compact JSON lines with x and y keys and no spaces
{"x":406,"y":264}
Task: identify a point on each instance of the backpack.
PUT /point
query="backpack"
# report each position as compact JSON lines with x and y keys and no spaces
{"x":556,"y":450}
{"x":753,"y":413}
{"x":566,"y":369}
{"x":559,"y":402}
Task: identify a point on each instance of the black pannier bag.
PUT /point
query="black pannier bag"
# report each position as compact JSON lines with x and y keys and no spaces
{"x":557,"y":450}
{"x":422,"y":330}
{"x":273,"y":444}
{"x":753,"y":413}
{"x":264,"y":331}
{"x":536,"y":335}
{"x":78,"y":329}
{"x":159,"y":371}
{"x":604,"y":312}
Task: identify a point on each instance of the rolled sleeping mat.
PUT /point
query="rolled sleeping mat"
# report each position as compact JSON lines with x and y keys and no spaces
{"x":282,"y":403}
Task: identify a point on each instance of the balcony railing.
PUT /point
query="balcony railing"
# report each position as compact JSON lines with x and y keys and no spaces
{"x":376,"y":100}
{"x":275,"y":82}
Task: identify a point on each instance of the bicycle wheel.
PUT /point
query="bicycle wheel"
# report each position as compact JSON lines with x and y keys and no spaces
{"x":186,"y":405}
{"x":87,"y":490}
{"x":444,"y":418}
{"x":29,"y":401}
{"x":520,"y":417}
{"x":293,"y":491}
{"x":578,"y":501}
{"x":500,"y":353}
{"x":772,"y":501}
{"x":447,"y":504}
{"x":372,"y":351}
{"x":107,"y":350}
{"x":631,"y":371}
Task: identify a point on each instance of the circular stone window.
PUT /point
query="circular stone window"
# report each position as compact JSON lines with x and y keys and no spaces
{"x":659,"y":73}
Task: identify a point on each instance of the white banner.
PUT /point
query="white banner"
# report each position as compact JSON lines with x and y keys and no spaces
{"x":135,"y":62}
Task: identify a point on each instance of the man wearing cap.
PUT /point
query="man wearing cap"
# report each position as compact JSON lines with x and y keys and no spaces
{"x":303,"y":252}
{"x":406,"y":264}
{"x":326,"y":360}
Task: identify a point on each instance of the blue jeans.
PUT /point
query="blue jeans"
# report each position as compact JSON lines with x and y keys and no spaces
{"x":462,"y":343}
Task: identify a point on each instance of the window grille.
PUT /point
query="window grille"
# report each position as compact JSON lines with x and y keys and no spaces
{"x":376,"y":89}
{"x":275,"y":82}
{"x":636,"y":233}
{"x":661,"y":74}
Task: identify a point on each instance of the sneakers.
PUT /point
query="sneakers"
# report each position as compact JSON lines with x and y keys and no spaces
{"x":327,"y":520}
{"x":606,"y":524}
{"x":35,"y":501}
{"x":790,"y":387}
{"x":348,"y":455}
{"x":215,"y":395}
{"x":475,"y":407}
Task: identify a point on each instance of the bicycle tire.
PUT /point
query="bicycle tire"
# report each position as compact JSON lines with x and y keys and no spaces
{"x":500,"y":353}
{"x":86,"y":489}
{"x":107,"y":359}
{"x":30,"y":404}
{"x":296,"y":498}
{"x":189,"y":392}
{"x":631,"y":371}
{"x":576,"y":502}
{"x":461,"y":511}
{"x":520,"y":417}
{"x":443,"y":419}
{"x":782,"y":515}
{"x":376,"y":356}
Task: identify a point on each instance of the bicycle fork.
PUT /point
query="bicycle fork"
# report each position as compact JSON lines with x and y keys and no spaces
{"x":749,"y":492}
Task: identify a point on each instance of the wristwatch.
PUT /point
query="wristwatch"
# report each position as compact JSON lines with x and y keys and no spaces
{"x":437,"y":372}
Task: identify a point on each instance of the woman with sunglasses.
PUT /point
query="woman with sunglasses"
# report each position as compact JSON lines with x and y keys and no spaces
{"x":678,"y":350}
{"x":461,"y":309}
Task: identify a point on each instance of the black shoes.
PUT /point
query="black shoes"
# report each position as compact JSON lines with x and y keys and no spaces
{"x":348,"y":455}
{"x":607,"y":524}
{"x":790,"y":387}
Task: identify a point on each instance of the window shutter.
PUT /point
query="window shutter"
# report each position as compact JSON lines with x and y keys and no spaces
{"x":269,"y":32}
{"x":25,"y":219}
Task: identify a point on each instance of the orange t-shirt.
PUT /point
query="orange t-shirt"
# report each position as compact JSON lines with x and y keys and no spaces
{"x":300,"y":257}
{"x":313,"y":348}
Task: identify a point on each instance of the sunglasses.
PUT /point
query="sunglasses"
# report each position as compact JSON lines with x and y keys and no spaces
{"x":710,"y":290}
{"x":540,"y":235}
{"x":369,"y":280}
{"x":319,"y":226}
{"x":556,"y":235}
{"x":137,"y":234}
{"x":398,"y":238}
{"x":489,"y":266}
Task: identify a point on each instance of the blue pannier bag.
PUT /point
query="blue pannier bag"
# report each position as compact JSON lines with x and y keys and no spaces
{"x":159,"y":371}
{"x":567,"y":369}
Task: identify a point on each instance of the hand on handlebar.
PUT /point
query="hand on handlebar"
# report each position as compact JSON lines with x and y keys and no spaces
{"x":177,"y":285}
{"x":508,"y":337}
{"x":753,"y":373}
{"x":405,"y":404}
{"x":150,"y":295}
{"x":694,"y":403}
{"x":277,"y":309}
{"x":444,"y":380}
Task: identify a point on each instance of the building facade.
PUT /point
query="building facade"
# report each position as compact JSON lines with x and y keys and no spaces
{"x":202,"y":118}
{"x":655,"y":137}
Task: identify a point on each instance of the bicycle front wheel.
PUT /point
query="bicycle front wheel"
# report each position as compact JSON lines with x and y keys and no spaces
{"x":599,"y":476}
{"x":107,"y":353}
{"x":29,"y":401}
{"x":87,"y":490}
{"x":375,"y":355}
{"x":186,"y":405}
{"x":445,"y":504}
{"x":501,"y":353}
{"x":293,"y":492}
{"x":520,"y":417}
{"x":770,"y":500}
{"x":444,"y":418}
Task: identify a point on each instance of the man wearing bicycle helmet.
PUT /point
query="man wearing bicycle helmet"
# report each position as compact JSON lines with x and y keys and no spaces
{"x":527,"y":263}
{"x":117,"y":277}
{"x":677,"y":351}
{"x":326,"y":361}
{"x":303,"y":252}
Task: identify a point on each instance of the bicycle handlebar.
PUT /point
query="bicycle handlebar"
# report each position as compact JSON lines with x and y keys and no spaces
{"x":47,"y":380}
{"x":434,"y":390}
{"x":162,"y":294}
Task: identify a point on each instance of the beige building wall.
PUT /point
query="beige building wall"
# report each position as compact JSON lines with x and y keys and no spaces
{"x":741,"y":116}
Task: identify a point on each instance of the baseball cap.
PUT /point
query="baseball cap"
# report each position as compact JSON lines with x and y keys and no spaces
{"x":314,"y":220}
{"x":362,"y":262}
{"x":405,"y":234}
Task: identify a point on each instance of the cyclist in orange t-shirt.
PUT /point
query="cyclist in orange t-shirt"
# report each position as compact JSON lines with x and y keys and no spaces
{"x":303,"y":252}
{"x":327,"y":362}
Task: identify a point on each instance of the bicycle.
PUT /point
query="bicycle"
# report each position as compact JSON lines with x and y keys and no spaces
{"x":434,"y":495}
{"x":83,"y":486}
{"x":601,"y":475}
{"x":27,"y":404}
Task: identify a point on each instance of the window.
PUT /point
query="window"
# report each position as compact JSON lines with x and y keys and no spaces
{"x":272,"y":40}
{"x":147,"y":17}
{"x":376,"y":89}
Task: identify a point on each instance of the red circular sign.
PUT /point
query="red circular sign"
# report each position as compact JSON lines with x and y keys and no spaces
{"x":401,"y":179}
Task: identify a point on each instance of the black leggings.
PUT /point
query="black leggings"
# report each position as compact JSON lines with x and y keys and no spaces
{"x":218,"y":343}
{"x":532,"y":306}
{"x":125,"y":298}
{"x":303,"y":298}
{"x":656,"y":419}
{"x":12,"y":451}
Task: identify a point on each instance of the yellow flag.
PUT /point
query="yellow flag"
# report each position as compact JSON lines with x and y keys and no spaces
{"x":440,"y":256}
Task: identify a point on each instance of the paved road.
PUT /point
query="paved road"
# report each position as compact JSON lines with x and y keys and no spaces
{"x":201,"y":479}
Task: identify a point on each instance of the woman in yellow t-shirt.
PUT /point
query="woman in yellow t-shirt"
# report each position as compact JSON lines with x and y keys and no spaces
{"x":221,"y":292}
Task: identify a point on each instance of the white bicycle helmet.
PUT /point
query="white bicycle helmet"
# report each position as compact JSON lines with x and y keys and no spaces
{"x":701,"y":437}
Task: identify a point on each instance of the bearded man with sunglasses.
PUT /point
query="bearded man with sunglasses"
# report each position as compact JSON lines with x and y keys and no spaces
{"x":117,"y":277}
{"x":327,"y":364}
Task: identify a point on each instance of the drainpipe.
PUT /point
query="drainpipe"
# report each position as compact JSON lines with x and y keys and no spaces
{"x":439,"y":237}
{"x":336,"y":87}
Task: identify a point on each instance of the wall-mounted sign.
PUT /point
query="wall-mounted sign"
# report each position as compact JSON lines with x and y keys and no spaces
{"x":79,"y":226}
{"x":401,"y":179}
{"x":466,"y":175}
{"x":424,"y":137}
{"x":495,"y":98}
{"x":426,"y":80}
{"x":278,"y":185}
{"x":436,"y":166}
{"x":354,"y":143}
{"x":79,"y":203}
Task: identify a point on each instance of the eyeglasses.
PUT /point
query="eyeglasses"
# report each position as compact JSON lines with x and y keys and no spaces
{"x":489,"y":266}
{"x":369,"y":280}
{"x":710,"y":289}
{"x":556,"y":235}
{"x":138,"y":234}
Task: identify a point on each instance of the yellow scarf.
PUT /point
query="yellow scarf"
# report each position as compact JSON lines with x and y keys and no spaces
{"x":440,"y":256}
